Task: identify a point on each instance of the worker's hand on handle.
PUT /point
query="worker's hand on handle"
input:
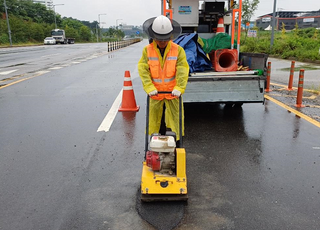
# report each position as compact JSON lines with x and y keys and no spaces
{"x":176,"y":93}
{"x":153,"y":93}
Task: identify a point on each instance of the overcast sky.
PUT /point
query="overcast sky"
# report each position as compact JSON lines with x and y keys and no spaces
{"x":135,"y":12}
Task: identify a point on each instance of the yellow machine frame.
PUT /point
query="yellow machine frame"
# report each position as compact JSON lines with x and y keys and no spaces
{"x":156,"y":186}
{"x":177,"y":184}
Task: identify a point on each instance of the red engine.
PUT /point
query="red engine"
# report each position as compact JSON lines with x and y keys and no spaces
{"x":153,"y":160}
{"x":161,"y":162}
{"x":161,"y":156}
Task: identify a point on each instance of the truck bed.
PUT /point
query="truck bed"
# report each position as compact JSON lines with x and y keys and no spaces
{"x":225,"y":89}
{"x":230,"y":87}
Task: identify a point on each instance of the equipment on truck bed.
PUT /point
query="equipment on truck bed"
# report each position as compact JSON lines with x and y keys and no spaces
{"x":206,"y":21}
{"x":164,"y":167}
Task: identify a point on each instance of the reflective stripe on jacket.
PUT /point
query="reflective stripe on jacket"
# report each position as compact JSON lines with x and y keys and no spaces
{"x":164,"y":79}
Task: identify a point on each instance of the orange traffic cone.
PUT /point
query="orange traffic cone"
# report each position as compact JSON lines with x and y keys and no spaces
{"x":220,"y":27}
{"x":128,"y":101}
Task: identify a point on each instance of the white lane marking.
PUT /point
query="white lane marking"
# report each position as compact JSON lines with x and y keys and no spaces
{"x":37,"y":74}
{"x":135,"y":73}
{"x":75,"y":62}
{"x":50,"y":55}
{"x":41,"y":72}
{"x":108,"y":120}
{"x":58,"y":67}
{"x":8,"y":72}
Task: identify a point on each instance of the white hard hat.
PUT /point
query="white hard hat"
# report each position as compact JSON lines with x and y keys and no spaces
{"x":162,"y":25}
{"x":162,"y":28}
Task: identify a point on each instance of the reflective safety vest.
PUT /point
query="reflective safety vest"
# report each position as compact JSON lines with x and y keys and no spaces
{"x":164,"y":79}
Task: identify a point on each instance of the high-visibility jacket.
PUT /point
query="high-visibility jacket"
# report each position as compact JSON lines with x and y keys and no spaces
{"x":181,"y":68}
{"x":181,"y":77}
{"x":164,"y":79}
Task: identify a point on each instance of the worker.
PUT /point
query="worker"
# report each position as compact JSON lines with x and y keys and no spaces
{"x":163,"y":67}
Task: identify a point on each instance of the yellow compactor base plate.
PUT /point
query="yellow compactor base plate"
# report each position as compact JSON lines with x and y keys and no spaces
{"x":156,"y":186}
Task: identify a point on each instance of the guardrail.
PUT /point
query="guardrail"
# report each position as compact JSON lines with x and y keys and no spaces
{"x":120,"y":44}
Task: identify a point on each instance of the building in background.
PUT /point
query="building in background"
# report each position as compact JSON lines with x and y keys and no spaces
{"x":304,"y":19}
{"x":47,"y":3}
{"x":130,"y":30}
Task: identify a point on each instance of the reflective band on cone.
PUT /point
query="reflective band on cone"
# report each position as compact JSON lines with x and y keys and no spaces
{"x":300,"y":90}
{"x":128,"y":100}
{"x":268,"y":78}
{"x":220,"y":27}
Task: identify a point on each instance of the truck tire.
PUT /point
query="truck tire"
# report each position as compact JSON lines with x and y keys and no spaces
{"x":234,"y":105}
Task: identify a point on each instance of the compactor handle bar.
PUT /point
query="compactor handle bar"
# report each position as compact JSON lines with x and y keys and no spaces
{"x":147,"y":120}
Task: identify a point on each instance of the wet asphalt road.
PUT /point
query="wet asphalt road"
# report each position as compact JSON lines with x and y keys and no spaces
{"x":26,"y":60}
{"x":280,"y":72}
{"x":250,"y":168}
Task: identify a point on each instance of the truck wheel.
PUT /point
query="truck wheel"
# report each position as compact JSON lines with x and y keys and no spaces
{"x":238,"y":105}
{"x":233,"y":105}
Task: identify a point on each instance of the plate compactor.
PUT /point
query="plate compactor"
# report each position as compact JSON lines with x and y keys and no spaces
{"x":164,"y":167}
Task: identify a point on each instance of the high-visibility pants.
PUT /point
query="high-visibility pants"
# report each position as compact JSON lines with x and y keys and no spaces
{"x":171,"y":115}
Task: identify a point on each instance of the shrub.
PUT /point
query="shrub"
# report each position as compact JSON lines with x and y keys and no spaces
{"x":4,"y":39}
{"x":301,"y":44}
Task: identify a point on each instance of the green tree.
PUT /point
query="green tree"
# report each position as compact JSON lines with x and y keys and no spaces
{"x":33,"y":22}
{"x":92,"y":25}
{"x":19,"y":30}
{"x":70,"y":22}
{"x":85,"y":33}
{"x":248,"y":9}
{"x":111,"y":32}
{"x":71,"y":32}
{"x":115,"y":33}
{"x":26,"y":10}
{"x":36,"y":32}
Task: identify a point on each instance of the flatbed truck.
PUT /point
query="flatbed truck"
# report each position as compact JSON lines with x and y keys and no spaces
{"x":60,"y":36}
{"x":236,"y":87}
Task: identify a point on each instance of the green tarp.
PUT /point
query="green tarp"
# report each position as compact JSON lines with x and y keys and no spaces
{"x":219,"y":41}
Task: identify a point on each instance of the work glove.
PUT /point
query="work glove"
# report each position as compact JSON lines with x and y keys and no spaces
{"x":153,"y":93}
{"x":176,"y":93}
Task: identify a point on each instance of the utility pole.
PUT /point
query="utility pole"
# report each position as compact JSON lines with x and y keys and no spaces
{"x":9,"y":30}
{"x":117,"y":28}
{"x":273,"y":23}
{"x":97,"y":32}
{"x":54,"y":10}
{"x":99,"y":26}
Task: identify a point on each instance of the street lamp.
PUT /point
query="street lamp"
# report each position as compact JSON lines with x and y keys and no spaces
{"x":54,"y":9}
{"x":99,"y":26}
{"x":273,"y":23}
{"x":117,"y":22}
{"x":9,"y":30}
